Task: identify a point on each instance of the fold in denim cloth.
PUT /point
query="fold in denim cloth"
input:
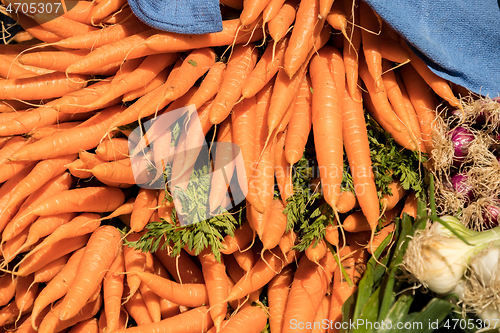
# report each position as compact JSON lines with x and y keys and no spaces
{"x":458,"y":39}
{"x":180,"y":16}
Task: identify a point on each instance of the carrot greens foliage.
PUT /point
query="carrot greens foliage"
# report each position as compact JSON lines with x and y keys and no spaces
{"x":209,"y":232}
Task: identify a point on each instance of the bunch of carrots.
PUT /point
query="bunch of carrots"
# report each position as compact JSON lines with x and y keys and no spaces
{"x":281,"y":74}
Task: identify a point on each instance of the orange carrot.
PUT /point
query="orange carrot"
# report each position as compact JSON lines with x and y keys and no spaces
{"x":61,"y":26}
{"x":275,"y":227}
{"x":277,"y":291}
{"x":243,"y":135}
{"x":191,"y":295}
{"x":239,"y":67}
{"x":301,"y":39}
{"x":101,"y":251}
{"x":332,"y":235}
{"x":308,"y":289}
{"x":112,"y":287}
{"x":194,"y":320}
{"x":402,"y":138}
{"x":210,"y":85}
{"x":135,"y":261}
{"x":357,"y":222}
{"x":389,"y":201}
{"x":55,"y":60}
{"x":410,"y":206}
{"x":327,"y":124}
{"x":439,"y":85}
{"x":91,"y":199}
{"x":156,"y":82}
{"x":26,"y":290}
{"x":379,"y":238}
{"x":57,"y":287}
{"x":265,"y":69}
{"x":379,"y":98}
{"x":24,"y":217}
{"x":357,"y":149}
{"x":143,"y":209}
{"x":352,"y":44}
{"x":300,"y":124}
{"x":424,"y":102}
{"x":85,"y":223}
{"x":41,"y":173}
{"x":282,"y":170}
{"x":316,"y":251}
{"x":252,"y":319}
{"x":47,"y":273}
{"x":49,"y":254}
{"x":137,"y":309}
{"x":51,"y":322}
{"x":347,"y":202}
{"x":232,"y":33}
{"x":397,"y":101}
{"x":280,"y":24}
{"x":242,"y":238}
{"x":371,"y":43}
{"x":42,"y":86}
{"x":245,"y":259}
{"x":130,"y":47}
{"x":215,"y":277}
{"x":251,"y":11}
{"x":7,"y":289}
{"x":147,"y":70}
{"x":261,"y":273}
{"x":64,"y":143}
{"x":182,"y":268}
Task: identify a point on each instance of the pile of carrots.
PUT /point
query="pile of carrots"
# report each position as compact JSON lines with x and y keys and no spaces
{"x":67,"y":96}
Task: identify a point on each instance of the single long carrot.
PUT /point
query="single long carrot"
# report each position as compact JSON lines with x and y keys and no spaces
{"x":242,"y":238}
{"x":308,"y":289}
{"x":232,"y":33}
{"x":439,"y":85}
{"x":112,"y":287}
{"x":91,"y":199}
{"x":7,"y":289}
{"x":100,"y":252}
{"x":56,"y":288}
{"x":47,"y":273}
{"x":42,"y":86}
{"x":85,"y":223}
{"x":243,"y":135}
{"x":352,"y":43}
{"x":26,"y":291}
{"x":210,"y":85}
{"x":107,"y":35}
{"x":194,"y":320}
{"x":143,"y":209}
{"x":280,"y":24}
{"x":251,"y":11}
{"x":250,"y":319}
{"x":261,"y":273}
{"x":63,"y":143}
{"x":300,"y":123}
{"x":55,"y":60}
{"x":239,"y":67}
{"x":41,"y":173}
{"x":137,"y":309}
{"x":215,"y":276}
{"x":275,"y":227}
{"x":424,"y":102}
{"x":301,"y":39}
{"x":265,"y":69}
{"x":49,"y":254}
{"x":357,"y":149}
{"x":61,"y":26}
{"x":371,"y":43}
{"x":277,"y":291}
{"x":191,"y":295}
{"x":327,"y":125}
{"x":282,"y":169}
{"x":127,"y":48}
{"x":23,"y":218}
